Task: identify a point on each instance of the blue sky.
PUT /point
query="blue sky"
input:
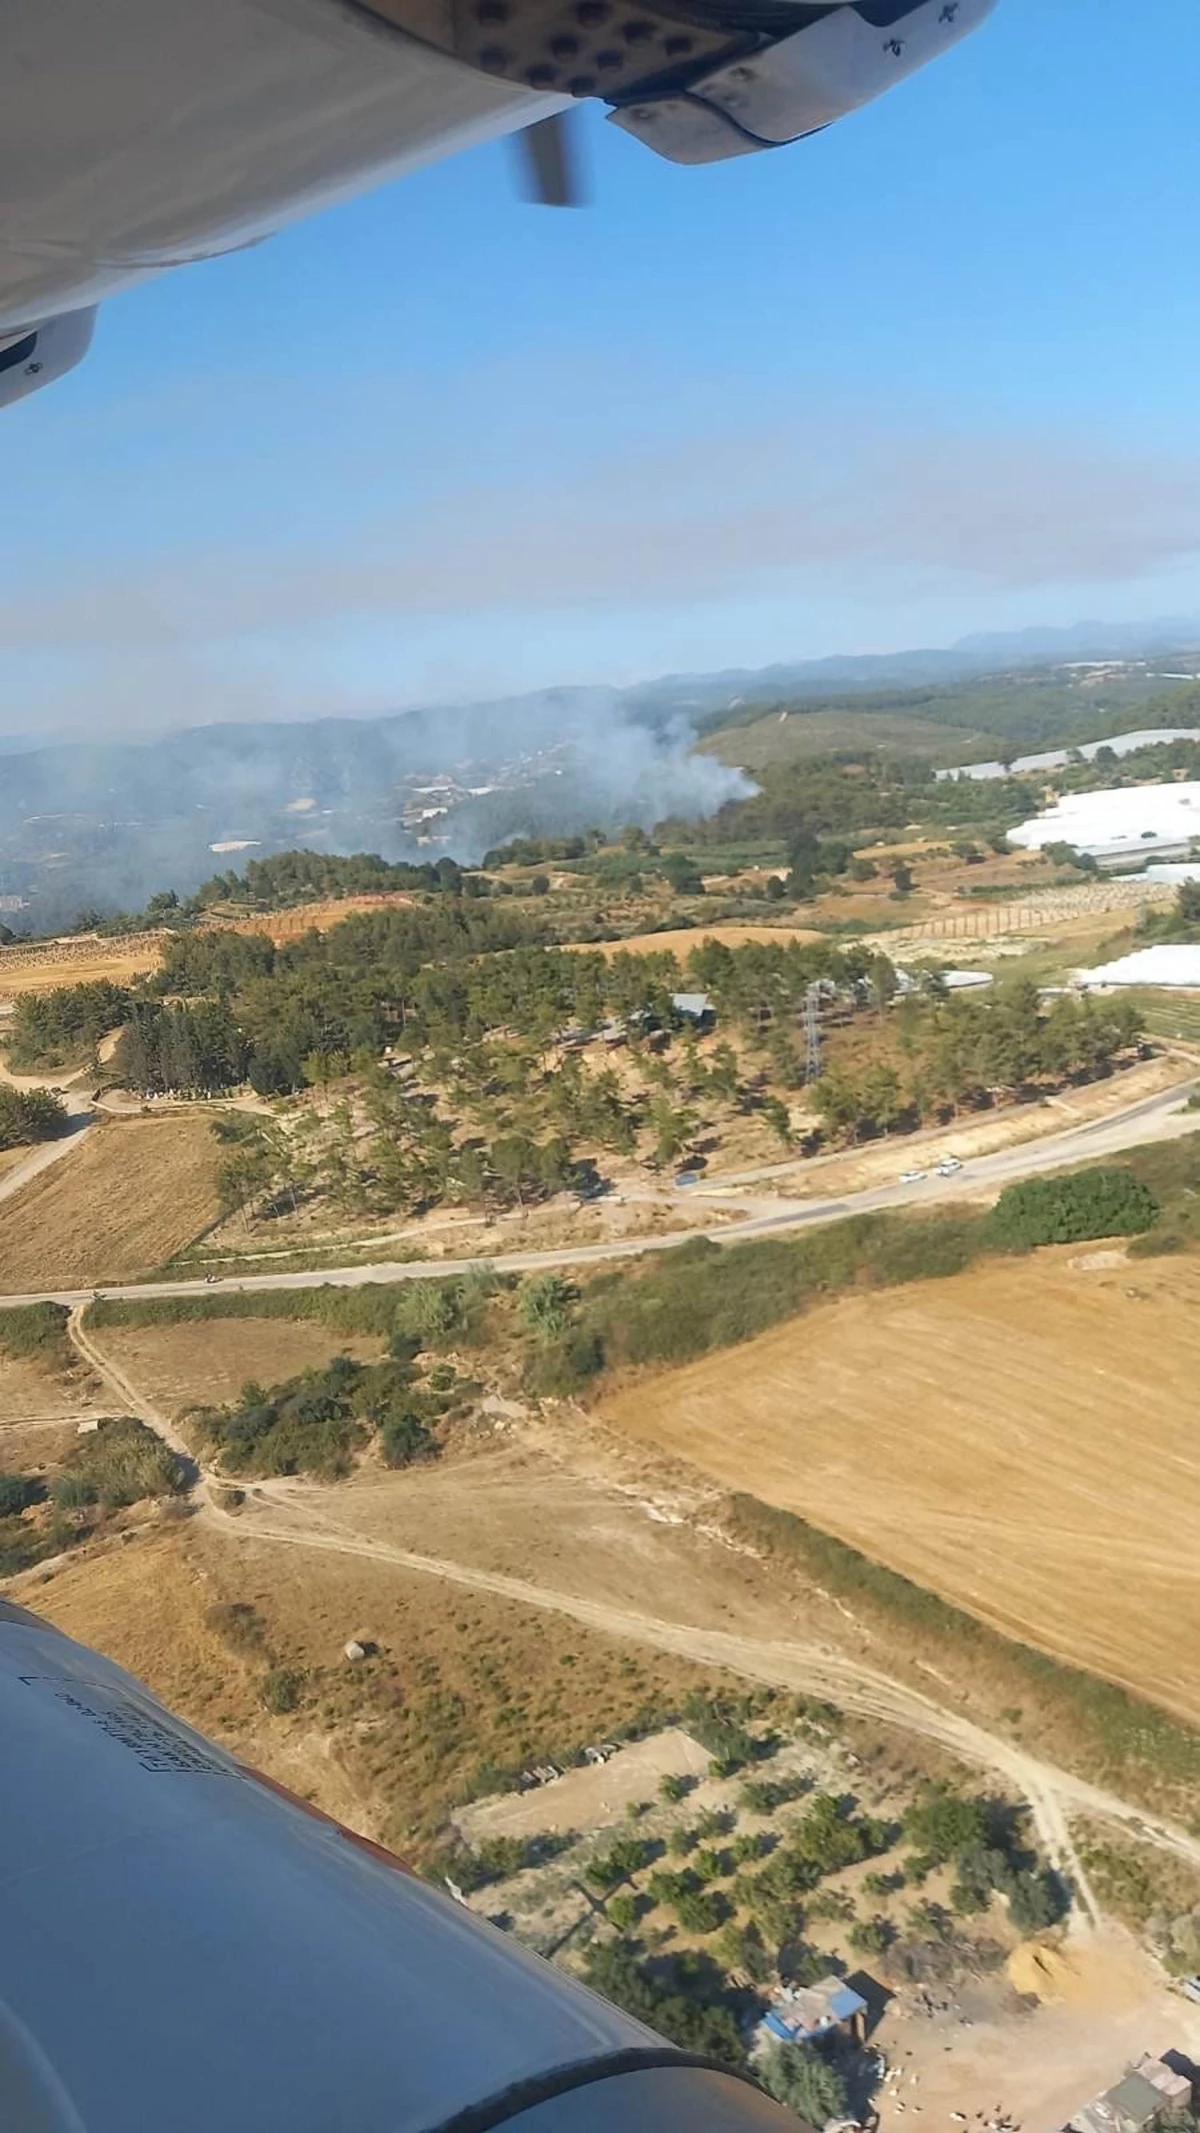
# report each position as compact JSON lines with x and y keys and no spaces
{"x":931,"y":371}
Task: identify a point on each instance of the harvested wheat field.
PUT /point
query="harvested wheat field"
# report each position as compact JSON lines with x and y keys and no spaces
{"x":1023,"y":1439}
{"x":318,"y":917}
{"x":133,"y":1192}
{"x":84,"y":961}
{"x":683,"y":939}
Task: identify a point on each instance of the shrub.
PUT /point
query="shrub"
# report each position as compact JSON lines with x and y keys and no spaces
{"x":1036,"y":1900}
{"x":1104,"y":1202}
{"x":716,"y":1723}
{"x":559,"y":1367}
{"x":17,"y":1492}
{"x":673,"y":1788}
{"x":625,"y":1856}
{"x":494,"y":1858}
{"x":123,"y":1461}
{"x":828,"y":1839}
{"x":544,"y":1305}
{"x":623,"y":1912}
{"x":872,"y":1936}
{"x":429,"y":1310}
{"x":28,"y":1115}
{"x":761,"y":1796}
{"x":72,"y":1492}
{"x":708,"y":1864}
{"x":38,"y":1331}
{"x":239,"y":1625}
{"x":702,"y":1910}
{"x":945,"y":1824}
{"x":804,"y":2082}
{"x":750,"y":1845}
{"x":713,"y":1822}
{"x":283,"y":1689}
{"x":667,"y":1887}
{"x":693,"y":2015}
{"x":405,"y":1439}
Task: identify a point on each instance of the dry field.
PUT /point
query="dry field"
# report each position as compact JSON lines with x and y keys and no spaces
{"x":1021,"y":1439}
{"x":133,"y":1194}
{"x":319,"y":917}
{"x":461,"y":1678}
{"x":85,"y":961}
{"x":801,"y":733}
{"x":683,"y":939}
{"x":183,"y":1366}
{"x":39,"y":1411}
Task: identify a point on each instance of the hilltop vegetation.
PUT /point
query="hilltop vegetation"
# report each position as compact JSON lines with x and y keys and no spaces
{"x":63,"y":1027}
{"x":28,"y":1115}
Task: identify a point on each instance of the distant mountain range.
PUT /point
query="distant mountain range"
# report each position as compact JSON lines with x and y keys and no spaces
{"x":986,"y":652}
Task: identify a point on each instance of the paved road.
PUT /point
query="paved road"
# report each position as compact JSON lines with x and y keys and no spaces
{"x":1160,"y":1117}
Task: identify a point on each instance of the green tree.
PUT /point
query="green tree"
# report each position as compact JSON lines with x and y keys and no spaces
{"x":778,"y":1118}
{"x":945,"y":1824}
{"x":544,"y":1303}
{"x":804,"y":2082}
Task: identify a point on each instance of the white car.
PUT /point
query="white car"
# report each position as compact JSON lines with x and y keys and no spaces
{"x":947,"y":1167}
{"x":913,"y":1177}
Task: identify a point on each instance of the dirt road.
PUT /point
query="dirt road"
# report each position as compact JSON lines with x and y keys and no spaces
{"x":294,"y":1514}
{"x":1158,"y":1117}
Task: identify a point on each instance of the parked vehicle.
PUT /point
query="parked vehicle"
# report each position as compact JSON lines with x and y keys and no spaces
{"x":948,"y":1166}
{"x":913,"y":1177}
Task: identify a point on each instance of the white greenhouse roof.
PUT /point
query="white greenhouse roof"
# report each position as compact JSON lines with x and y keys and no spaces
{"x":1054,"y":758}
{"x":1136,"y":818}
{"x":1164,"y":965}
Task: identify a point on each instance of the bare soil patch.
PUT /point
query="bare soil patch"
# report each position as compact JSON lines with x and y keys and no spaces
{"x":681,"y":940}
{"x":590,"y":1798}
{"x":134,"y":1194}
{"x":1020,"y":1439}
{"x":40,"y":1413}
{"x":1100,"y":2006}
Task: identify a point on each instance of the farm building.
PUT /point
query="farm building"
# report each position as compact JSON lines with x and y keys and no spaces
{"x":811,"y":2014}
{"x":1174,"y":965}
{"x":1152,"y":2090}
{"x":695,"y":1007}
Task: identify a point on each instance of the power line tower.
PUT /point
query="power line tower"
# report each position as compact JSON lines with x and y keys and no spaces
{"x":812,"y":1034}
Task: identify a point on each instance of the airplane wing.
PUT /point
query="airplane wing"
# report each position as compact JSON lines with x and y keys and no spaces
{"x":186,"y":1946}
{"x":140,"y":135}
